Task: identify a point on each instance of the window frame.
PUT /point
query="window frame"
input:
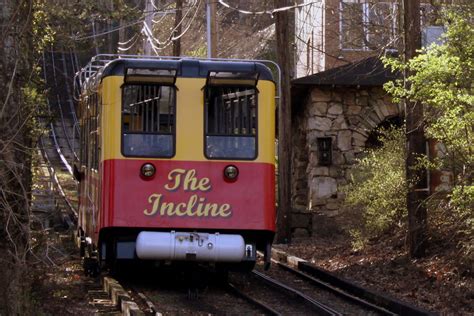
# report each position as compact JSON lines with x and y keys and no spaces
{"x":173,"y":133}
{"x":205,"y":112}
{"x":366,"y":23}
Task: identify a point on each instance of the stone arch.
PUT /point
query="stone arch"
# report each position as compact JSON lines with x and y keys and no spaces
{"x":379,"y":109}
{"x":373,"y":140}
{"x":346,"y":116}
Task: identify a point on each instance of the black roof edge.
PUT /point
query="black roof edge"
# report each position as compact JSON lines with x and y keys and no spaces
{"x":191,"y":68}
{"x":366,"y":72}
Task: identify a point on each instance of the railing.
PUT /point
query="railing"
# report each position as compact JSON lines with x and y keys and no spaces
{"x":89,"y":76}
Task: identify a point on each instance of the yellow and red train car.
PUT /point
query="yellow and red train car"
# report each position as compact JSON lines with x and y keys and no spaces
{"x":177,"y":161}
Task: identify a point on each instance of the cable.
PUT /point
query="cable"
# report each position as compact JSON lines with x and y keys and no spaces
{"x":270,"y":12}
{"x":79,"y":38}
{"x":162,"y":45}
{"x":131,"y":45}
{"x":128,"y":41}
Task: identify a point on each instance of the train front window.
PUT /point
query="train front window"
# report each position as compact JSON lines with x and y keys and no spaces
{"x":231,"y":122}
{"x":148,"y":120}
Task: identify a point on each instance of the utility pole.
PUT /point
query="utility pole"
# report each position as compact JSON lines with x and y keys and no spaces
{"x":416,"y":145}
{"x":211,"y":29}
{"x":284,"y":58}
{"x":177,"y":25}
{"x":148,"y":21}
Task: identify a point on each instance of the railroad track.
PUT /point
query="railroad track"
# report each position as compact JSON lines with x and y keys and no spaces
{"x":345,"y":291}
{"x":56,"y":188}
{"x":253,"y":293}
{"x":170,"y":293}
{"x":280,"y":297}
{"x":280,"y":291}
{"x":337,"y":291}
{"x":59,"y":144}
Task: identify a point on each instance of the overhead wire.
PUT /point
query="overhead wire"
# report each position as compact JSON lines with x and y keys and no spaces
{"x":162,"y":45}
{"x":129,"y":40}
{"x":196,"y":3}
{"x":148,"y":33}
{"x":80,"y":38}
{"x":270,"y":12}
{"x":146,"y":14}
{"x":130,"y":46}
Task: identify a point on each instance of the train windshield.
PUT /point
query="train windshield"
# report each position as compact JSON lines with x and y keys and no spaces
{"x":148,"y":120}
{"x":231,"y":122}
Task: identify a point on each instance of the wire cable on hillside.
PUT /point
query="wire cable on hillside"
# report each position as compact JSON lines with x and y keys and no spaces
{"x":270,"y":12}
{"x":84,"y":37}
{"x":162,"y":45}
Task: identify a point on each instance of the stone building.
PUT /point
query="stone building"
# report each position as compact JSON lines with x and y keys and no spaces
{"x":334,"y":114}
{"x":332,"y":33}
{"x":338,"y":99}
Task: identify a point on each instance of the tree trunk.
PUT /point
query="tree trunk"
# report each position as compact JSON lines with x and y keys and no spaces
{"x":177,"y":25}
{"x":15,"y":156}
{"x":416,"y":177}
{"x":284,"y":58}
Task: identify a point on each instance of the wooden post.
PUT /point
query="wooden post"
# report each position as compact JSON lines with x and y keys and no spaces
{"x":177,"y":25}
{"x":147,"y":51}
{"x":284,"y":58}
{"x":211,"y":29}
{"x":416,"y":145}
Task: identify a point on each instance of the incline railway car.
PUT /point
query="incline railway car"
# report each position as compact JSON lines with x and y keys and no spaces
{"x":177,"y":161}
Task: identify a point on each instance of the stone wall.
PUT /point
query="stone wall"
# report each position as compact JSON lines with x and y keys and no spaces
{"x":300,"y":217}
{"x":346,"y":116}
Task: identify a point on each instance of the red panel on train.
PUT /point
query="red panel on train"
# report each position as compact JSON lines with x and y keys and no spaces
{"x":188,"y":194}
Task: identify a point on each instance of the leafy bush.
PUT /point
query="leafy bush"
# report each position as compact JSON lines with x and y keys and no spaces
{"x":462,"y":202}
{"x":442,"y":79}
{"x":378,"y":187}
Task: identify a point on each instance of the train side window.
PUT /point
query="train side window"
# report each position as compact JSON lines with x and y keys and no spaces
{"x":231,"y":122}
{"x":148,"y":120}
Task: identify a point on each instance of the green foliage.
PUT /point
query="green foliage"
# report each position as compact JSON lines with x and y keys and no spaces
{"x":72,"y":23}
{"x":201,"y":51}
{"x":378,"y":186}
{"x":442,"y":78}
{"x":462,"y":202}
{"x":43,"y":34}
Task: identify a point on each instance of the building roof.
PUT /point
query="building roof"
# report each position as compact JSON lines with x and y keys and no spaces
{"x":368,"y":72}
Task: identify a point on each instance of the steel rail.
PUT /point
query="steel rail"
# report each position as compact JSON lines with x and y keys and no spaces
{"x":335,"y":290}
{"x":58,"y":149}
{"x":60,"y":106}
{"x":66,"y":134}
{"x":320,"y":307}
{"x":56,"y":182}
{"x":51,"y":169}
{"x":268,"y":310}
{"x":71,"y":93}
{"x":389,"y":303}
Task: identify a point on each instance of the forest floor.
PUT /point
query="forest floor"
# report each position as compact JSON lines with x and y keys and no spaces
{"x":59,"y":285}
{"x":436,"y":282}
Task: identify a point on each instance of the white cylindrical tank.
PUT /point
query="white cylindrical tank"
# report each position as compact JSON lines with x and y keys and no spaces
{"x":190,"y":246}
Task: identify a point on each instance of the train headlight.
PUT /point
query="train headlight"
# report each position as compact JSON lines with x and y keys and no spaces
{"x":231,"y":172}
{"x":148,"y":170}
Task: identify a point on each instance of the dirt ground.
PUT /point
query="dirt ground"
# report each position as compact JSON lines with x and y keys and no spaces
{"x":59,"y":284}
{"x":436,"y":282}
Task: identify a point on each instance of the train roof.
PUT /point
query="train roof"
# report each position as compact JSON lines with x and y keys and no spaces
{"x":102,"y":66}
{"x":190,"y":68}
